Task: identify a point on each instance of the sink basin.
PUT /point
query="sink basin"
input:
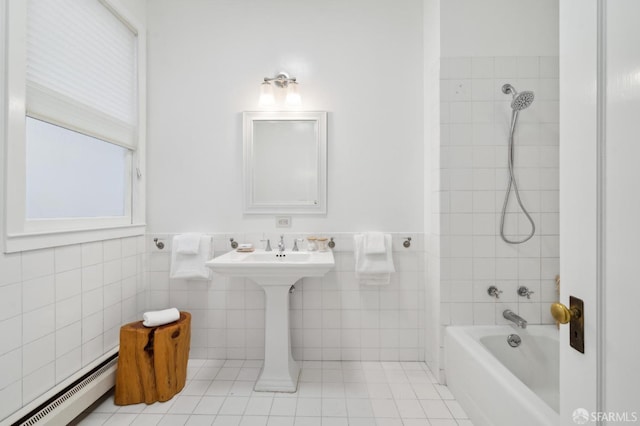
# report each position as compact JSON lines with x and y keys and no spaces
{"x":262,"y":266}
{"x":275,"y":272}
{"x":269,"y":256}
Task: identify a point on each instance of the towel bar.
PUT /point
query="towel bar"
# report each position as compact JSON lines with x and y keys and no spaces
{"x":159,"y":244}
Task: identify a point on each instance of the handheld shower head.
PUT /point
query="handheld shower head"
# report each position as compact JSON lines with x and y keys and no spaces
{"x":520,"y":100}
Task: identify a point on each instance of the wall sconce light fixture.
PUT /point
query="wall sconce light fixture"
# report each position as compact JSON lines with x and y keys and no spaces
{"x":282,"y":81}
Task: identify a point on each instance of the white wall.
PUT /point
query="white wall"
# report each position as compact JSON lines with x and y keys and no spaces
{"x":499,"y":28}
{"x":359,"y":60}
{"x":431,"y":35}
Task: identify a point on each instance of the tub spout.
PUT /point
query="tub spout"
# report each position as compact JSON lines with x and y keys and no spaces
{"x":515,"y":318}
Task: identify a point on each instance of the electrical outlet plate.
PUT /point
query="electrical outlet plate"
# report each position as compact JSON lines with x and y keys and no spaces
{"x":283,"y":221}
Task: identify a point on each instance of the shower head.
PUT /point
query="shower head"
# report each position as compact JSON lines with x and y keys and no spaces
{"x":520,"y":100}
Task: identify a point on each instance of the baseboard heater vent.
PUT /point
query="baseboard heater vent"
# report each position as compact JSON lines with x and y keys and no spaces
{"x":67,"y":404}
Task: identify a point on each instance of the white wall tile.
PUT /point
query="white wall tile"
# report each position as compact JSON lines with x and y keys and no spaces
{"x":112,"y":249}
{"x":11,"y":267}
{"x":11,"y":332}
{"x":68,"y":338}
{"x":549,"y":67}
{"x":38,"y":382}
{"x":11,"y":367}
{"x":38,"y":353}
{"x":37,"y":263}
{"x":67,"y":258}
{"x":38,"y":292}
{"x":10,"y":300}
{"x":67,"y":364}
{"x":68,"y":311}
{"x":505,"y":67}
{"x":482,"y":67}
{"x":38,"y":323}
{"x":92,"y":253}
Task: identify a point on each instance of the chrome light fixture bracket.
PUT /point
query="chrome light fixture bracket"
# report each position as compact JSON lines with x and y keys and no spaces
{"x":282,"y":79}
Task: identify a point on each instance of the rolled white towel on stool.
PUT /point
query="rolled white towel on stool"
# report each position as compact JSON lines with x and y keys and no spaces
{"x":157,"y":318}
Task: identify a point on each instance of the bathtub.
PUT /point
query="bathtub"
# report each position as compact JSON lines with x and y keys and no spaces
{"x":498,"y":385}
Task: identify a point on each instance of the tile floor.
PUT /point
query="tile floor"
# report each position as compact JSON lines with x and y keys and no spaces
{"x":330,"y":393}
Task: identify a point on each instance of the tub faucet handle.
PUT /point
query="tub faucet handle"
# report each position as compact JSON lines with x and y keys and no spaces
{"x":494,"y":292}
{"x":524,"y":291}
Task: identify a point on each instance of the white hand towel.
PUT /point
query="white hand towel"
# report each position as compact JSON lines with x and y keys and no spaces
{"x":374,"y":243}
{"x":191,"y":266}
{"x":156,"y":318}
{"x":188,"y":243}
{"x":373,"y":269}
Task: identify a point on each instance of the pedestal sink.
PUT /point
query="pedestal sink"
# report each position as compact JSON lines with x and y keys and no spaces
{"x":275,"y":272}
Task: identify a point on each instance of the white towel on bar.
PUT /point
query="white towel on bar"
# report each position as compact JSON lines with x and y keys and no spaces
{"x":374,"y":243}
{"x":157,"y":318}
{"x":373,"y":269}
{"x":191,"y":266}
{"x":188,"y":243}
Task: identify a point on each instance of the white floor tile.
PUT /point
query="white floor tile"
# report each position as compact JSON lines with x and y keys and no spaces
{"x":227,"y":421}
{"x":410,"y":409}
{"x":95,"y":419}
{"x":258,"y":406}
{"x":334,"y":407}
{"x":254,"y":420}
{"x":308,"y":421}
{"x":283,"y":407}
{"x":200,"y":420}
{"x":435,"y":409}
{"x":147,"y":420}
{"x":234,"y":405}
{"x":330,"y":393}
{"x":121,"y":419}
{"x":209,"y":405}
{"x":184,"y":404}
{"x":280,"y":421}
{"x":384,"y":408}
{"x":309,"y":407}
{"x":174,"y":420}
{"x":359,"y":407}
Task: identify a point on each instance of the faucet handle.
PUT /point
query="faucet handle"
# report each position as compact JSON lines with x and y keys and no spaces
{"x":295,"y":244}
{"x":524,"y":291}
{"x":494,"y":292}
{"x":268,"y":247}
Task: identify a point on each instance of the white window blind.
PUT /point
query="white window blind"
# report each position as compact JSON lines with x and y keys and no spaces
{"x":81,"y":69}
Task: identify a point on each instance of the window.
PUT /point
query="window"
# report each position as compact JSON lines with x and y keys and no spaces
{"x":76,"y":133}
{"x":74,"y":175}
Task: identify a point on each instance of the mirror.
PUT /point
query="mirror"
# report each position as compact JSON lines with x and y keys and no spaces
{"x":285,"y":162}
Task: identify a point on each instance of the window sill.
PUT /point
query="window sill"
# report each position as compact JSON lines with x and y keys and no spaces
{"x":39,"y":240}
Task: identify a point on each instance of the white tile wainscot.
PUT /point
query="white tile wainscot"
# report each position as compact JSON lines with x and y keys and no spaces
{"x":332,"y":318}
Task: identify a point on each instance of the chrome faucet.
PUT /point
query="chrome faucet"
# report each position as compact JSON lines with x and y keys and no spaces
{"x":281,"y":245}
{"x":515,"y":318}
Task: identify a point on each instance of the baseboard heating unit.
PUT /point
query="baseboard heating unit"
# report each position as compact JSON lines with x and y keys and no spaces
{"x":68,"y":400}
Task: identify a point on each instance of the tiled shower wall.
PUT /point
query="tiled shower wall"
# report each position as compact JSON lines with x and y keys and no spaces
{"x":475,"y":117}
{"x":61,"y":309}
{"x":332,"y":318}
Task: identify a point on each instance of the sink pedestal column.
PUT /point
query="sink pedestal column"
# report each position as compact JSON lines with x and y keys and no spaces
{"x":280,"y":371}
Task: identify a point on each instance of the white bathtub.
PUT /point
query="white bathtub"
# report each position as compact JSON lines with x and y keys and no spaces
{"x":498,"y":385}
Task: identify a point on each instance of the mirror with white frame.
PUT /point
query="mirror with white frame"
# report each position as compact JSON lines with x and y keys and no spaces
{"x":285,"y":162}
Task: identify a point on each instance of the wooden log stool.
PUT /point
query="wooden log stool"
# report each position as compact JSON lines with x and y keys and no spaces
{"x":152,"y":364}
